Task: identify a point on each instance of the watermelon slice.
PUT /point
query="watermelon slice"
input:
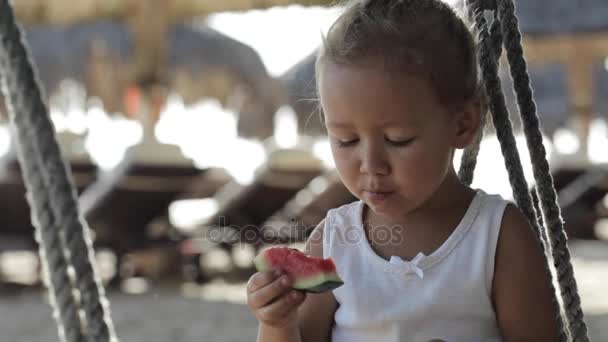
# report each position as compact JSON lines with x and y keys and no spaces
{"x":309,"y":274}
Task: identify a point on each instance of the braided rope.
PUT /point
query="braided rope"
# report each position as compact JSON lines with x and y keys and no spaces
{"x":504,"y":132}
{"x":542,"y":175}
{"x":50,"y":192}
{"x":51,"y":245}
{"x":468,"y":160}
{"x":65,"y":309}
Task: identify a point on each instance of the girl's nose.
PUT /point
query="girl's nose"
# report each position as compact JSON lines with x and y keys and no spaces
{"x":374,"y":163}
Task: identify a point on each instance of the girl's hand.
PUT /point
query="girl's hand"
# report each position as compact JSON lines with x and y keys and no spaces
{"x":272,"y":300}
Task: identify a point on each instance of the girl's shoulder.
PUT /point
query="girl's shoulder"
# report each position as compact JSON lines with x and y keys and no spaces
{"x":335,"y":217}
{"x":522,"y":286}
{"x":492,"y":200}
{"x":348,"y":214}
{"x":345,"y":209}
{"x":489,"y":196}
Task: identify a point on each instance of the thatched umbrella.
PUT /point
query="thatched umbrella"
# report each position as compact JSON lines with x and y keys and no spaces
{"x":66,"y":12}
{"x":150,"y":52}
{"x":201,"y":63}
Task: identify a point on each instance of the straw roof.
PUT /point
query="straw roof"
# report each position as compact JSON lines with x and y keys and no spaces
{"x":70,"y":12}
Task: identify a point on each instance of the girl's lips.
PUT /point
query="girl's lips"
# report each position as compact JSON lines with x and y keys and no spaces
{"x":377,"y":195}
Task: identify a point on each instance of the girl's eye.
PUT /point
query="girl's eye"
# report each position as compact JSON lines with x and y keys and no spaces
{"x":399,"y":143}
{"x":346,"y":143}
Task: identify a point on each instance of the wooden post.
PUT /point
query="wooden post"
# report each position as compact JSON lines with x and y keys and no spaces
{"x":149,"y":26}
{"x":580,"y":98}
{"x":577,"y":52}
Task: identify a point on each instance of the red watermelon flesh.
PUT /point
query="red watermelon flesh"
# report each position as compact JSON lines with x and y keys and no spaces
{"x":309,"y":274}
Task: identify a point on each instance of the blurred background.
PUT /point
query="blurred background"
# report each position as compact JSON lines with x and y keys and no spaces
{"x":192,"y":132}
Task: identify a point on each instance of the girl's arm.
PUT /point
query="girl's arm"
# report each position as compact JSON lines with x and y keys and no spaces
{"x":316,"y":314}
{"x":266,"y":333}
{"x":521,"y":289}
{"x":272,"y":301}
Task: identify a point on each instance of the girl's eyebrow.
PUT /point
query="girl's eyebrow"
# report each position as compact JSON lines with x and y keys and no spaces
{"x":400,"y":122}
{"x":338,"y":124}
{"x":392,"y":123}
{"x":385,"y":124}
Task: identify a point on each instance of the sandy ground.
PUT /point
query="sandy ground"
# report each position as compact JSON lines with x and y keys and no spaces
{"x":161,"y":317}
{"x":216,"y":313}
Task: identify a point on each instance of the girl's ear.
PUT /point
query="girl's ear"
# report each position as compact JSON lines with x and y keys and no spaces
{"x":467,"y":124}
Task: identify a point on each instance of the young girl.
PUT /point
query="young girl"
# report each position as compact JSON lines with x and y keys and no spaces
{"x":423,"y":257}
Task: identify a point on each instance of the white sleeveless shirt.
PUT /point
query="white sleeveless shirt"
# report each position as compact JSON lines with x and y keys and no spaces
{"x":444,"y":296}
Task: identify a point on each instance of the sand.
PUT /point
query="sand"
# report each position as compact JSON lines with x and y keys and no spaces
{"x":162,"y":315}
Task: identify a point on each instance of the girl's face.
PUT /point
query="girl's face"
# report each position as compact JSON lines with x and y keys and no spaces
{"x":391,"y":138}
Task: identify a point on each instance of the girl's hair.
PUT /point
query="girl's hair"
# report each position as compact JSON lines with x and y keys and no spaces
{"x":421,"y":37}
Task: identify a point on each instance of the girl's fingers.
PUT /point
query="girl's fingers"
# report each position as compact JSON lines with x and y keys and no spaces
{"x":281,"y":308}
{"x":259,"y":280}
{"x":266,"y":294}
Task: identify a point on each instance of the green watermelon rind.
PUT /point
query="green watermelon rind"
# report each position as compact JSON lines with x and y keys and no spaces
{"x":260,"y":263}
{"x":315,"y":283}
{"x":304,"y":283}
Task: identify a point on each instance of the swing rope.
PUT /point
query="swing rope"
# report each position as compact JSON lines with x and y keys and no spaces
{"x":542,"y":175}
{"x":504,"y":132}
{"x":544,"y":199}
{"x":65,"y":245}
{"x":468,"y":160}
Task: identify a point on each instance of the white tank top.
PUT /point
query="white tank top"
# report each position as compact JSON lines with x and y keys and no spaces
{"x":445,"y":296}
